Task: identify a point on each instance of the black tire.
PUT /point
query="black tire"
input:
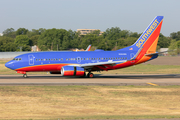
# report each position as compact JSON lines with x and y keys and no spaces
{"x":25,"y":75}
{"x":90,"y":75}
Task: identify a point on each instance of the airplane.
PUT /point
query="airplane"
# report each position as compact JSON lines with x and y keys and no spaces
{"x":72,"y":63}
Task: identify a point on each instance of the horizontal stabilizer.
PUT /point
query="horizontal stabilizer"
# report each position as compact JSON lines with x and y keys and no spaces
{"x":156,"y":53}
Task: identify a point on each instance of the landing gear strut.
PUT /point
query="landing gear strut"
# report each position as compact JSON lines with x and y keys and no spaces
{"x":25,"y":75}
{"x":90,"y":75}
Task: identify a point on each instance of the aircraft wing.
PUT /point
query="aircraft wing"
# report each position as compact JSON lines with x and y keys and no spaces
{"x":110,"y":62}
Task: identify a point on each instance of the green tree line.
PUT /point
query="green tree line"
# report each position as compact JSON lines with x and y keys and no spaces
{"x":60,"y":39}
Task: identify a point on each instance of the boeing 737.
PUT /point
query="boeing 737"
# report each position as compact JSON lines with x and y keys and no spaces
{"x":73,"y":63}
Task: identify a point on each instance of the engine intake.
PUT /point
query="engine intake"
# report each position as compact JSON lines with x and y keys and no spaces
{"x":72,"y":71}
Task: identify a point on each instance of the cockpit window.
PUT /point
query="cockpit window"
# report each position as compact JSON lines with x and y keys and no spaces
{"x":17,"y":59}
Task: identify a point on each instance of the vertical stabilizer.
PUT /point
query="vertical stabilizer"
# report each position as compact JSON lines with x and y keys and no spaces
{"x":147,"y":42}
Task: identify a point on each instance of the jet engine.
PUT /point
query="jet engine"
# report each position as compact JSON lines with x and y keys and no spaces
{"x":72,"y":71}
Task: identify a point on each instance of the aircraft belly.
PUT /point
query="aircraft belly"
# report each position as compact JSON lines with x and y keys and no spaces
{"x":48,"y":67}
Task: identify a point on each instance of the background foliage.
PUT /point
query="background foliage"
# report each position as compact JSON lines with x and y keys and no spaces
{"x":60,"y":39}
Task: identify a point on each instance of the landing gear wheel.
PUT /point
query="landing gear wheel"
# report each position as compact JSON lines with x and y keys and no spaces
{"x":90,"y":75}
{"x":25,"y":75}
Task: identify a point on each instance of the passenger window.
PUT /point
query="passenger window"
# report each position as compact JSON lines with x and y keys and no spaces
{"x":61,"y":58}
{"x":73,"y":58}
{"x":66,"y":59}
{"x":44,"y":59}
{"x":86,"y":58}
{"x":89,"y":58}
{"x":19,"y":58}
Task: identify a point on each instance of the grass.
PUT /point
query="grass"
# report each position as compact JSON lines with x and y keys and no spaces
{"x":89,"y":102}
{"x":147,"y":69}
{"x":137,"y":69}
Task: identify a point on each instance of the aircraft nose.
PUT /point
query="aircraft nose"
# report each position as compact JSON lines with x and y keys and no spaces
{"x":9,"y":65}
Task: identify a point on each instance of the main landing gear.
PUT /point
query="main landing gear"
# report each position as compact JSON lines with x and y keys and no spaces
{"x":90,"y":75}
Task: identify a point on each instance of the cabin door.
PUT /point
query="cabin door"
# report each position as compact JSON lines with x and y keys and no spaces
{"x":78,"y":59}
{"x":31,"y":59}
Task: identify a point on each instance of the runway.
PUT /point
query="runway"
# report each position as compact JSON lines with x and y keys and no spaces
{"x":120,"y":80}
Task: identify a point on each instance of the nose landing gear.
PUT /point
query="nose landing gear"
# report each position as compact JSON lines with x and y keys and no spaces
{"x":22,"y":72}
{"x":25,"y":75}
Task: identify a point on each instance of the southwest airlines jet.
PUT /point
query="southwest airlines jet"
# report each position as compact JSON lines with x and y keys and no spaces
{"x":73,"y":63}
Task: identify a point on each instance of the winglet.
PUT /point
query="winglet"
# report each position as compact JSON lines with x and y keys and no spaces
{"x":88,"y":48}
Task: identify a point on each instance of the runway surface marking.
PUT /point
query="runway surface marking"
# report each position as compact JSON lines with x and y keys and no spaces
{"x":152,"y":84}
{"x":166,"y":79}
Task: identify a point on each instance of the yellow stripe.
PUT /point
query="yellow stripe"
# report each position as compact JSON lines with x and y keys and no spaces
{"x":152,"y":84}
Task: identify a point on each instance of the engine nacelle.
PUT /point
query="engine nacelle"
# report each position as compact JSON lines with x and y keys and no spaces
{"x":72,"y":71}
